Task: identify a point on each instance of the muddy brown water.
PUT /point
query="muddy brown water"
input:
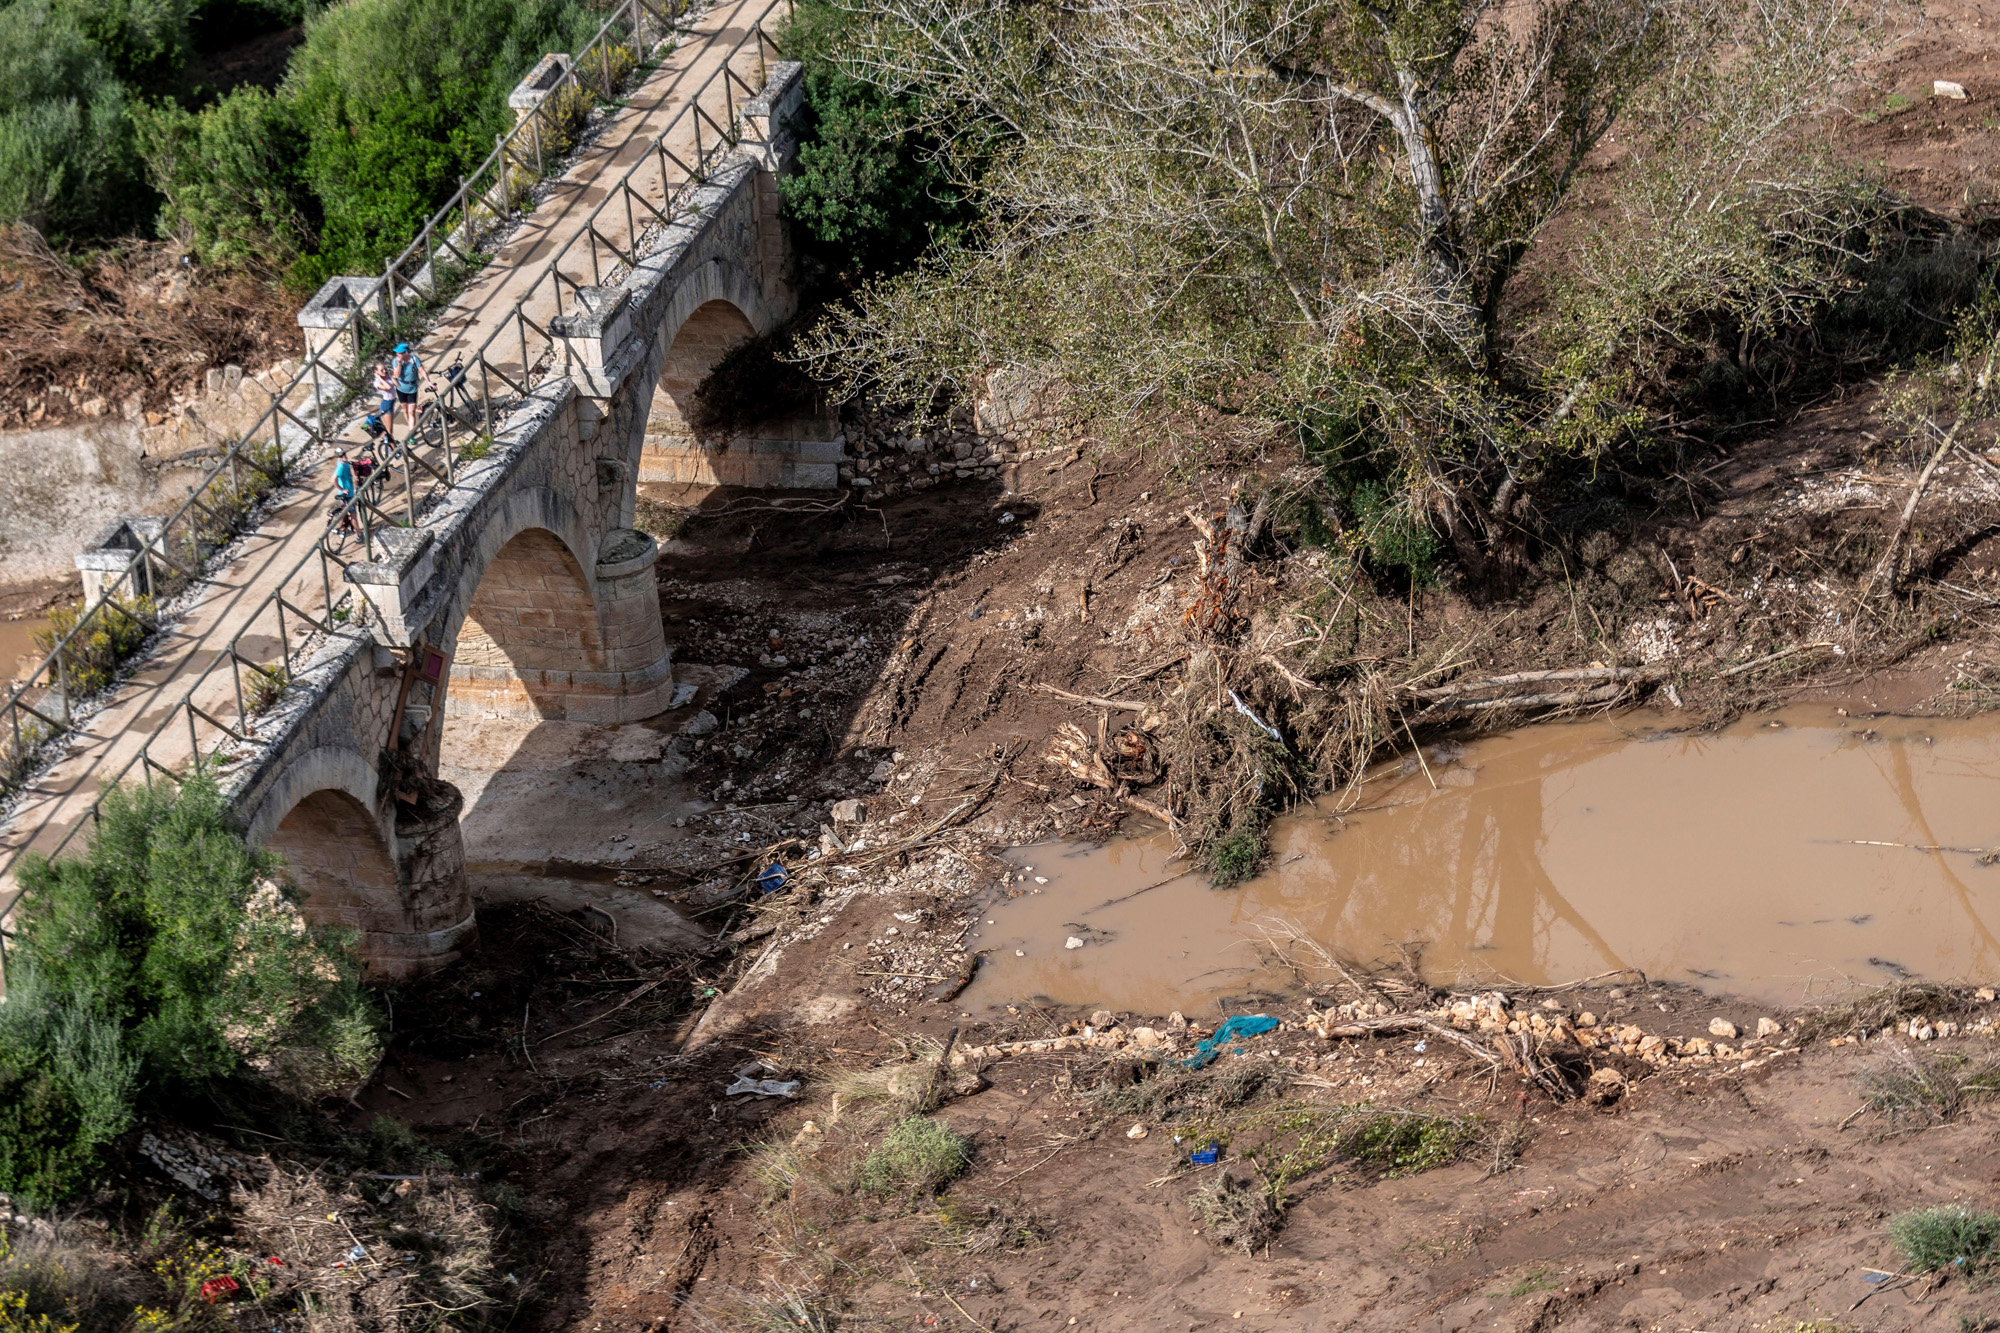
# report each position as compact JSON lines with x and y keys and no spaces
{"x":1726,"y":860}
{"x":18,"y":653}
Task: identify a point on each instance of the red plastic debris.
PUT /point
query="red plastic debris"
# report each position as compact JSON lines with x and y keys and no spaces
{"x":224,"y":1288}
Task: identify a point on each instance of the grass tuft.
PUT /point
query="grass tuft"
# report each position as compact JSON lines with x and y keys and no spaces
{"x":1930,"y":1239}
{"x":1912,"y":1090}
{"x":920,"y":1155}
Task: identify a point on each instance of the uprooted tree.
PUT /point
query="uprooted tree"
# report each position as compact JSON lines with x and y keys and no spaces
{"x":1380,"y":223}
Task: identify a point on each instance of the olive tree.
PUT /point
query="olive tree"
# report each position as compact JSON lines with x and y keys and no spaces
{"x":1319,"y":212}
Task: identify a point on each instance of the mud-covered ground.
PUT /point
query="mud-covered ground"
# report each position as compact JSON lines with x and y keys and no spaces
{"x":878,"y":687}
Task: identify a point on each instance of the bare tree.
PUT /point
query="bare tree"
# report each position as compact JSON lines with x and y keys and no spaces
{"x":1297,"y":207}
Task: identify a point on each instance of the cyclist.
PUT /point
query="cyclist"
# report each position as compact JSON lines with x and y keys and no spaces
{"x":409,"y":372}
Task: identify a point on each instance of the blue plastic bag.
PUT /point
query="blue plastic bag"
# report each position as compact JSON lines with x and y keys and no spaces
{"x":1207,"y":1155}
{"x":1236,"y":1029}
{"x":775,"y":877}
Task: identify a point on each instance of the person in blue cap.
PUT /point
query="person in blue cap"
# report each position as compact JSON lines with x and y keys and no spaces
{"x":409,"y":372}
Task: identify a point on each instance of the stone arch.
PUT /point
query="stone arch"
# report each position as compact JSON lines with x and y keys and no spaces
{"x":531,"y":623}
{"x":335,"y":856}
{"x":708,"y":334}
{"x":524,"y":614}
{"x":546,"y":626}
{"x":324,"y":767}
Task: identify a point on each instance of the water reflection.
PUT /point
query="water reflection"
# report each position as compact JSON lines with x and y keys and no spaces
{"x":1563,"y":851}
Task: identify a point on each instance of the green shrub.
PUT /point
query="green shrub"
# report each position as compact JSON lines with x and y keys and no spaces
{"x":161,"y":958}
{"x":1933,"y":1238}
{"x":67,"y":161}
{"x":1237,"y":856}
{"x":398,"y":98}
{"x":868,"y":193}
{"x":231,"y":177}
{"x":91,"y":659}
{"x":920,"y":1155}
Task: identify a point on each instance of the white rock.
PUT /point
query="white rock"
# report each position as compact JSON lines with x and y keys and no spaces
{"x":1722,"y":1027}
{"x":1146,"y":1036}
{"x":850,"y":811}
{"x":1586,"y":1019}
{"x":1925,"y":1033}
{"x":1946,"y":88}
{"x":1769,"y":1027}
{"x":1985,"y":995}
{"x":1103,"y":1018}
{"x":1072,"y":943}
{"x":1020,"y":953}
{"x":1136,"y":1132}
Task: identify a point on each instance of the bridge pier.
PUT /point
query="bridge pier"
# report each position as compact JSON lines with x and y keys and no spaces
{"x":391,"y":873}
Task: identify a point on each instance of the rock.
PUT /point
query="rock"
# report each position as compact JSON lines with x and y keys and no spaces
{"x":1652,"y":1045}
{"x":1554,"y":1005}
{"x":968,"y":1085}
{"x":1102,"y":1018}
{"x":1924,"y":1032}
{"x":1136,"y":1132}
{"x":1606,"y":1086}
{"x":701,"y":724}
{"x":1615,"y":993}
{"x":1145,"y":1037}
{"x":1946,"y":88}
{"x":232,"y":378}
{"x":1586,"y":1019}
{"x":850,"y":811}
{"x":1072,"y":943}
{"x":212,"y":381}
{"x":1176,"y":1021}
{"x":1697,"y":1046}
{"x":1722,"y":1027}
{"x":1985,"y":995}
{"x":1769,"y":1027}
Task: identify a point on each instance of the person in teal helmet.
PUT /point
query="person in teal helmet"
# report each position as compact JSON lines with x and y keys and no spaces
{"x":409,"y":375}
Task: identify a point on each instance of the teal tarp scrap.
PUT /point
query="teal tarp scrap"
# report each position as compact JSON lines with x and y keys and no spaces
{"x":1236,"y":1029}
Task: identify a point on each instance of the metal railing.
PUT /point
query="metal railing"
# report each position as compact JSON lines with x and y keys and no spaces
{"x":42,"y":707}
{"x":422,"y":468}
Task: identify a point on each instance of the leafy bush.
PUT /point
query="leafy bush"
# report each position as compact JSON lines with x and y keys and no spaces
{"x":67,"y":161}
{"x":919,"y":1156}
{"x":1934,"y":1238}
{"x":398,"y":98}
{"x":868,"y":194}
{"x":161,"y":958}
{"x":91,"y":660}
{"x":1237,"y":857}
{"x":231,"y":178}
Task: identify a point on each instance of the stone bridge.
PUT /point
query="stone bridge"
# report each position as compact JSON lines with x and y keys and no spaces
{"x":525,"y":591}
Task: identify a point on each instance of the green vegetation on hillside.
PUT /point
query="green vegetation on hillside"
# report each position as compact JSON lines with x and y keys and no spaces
{"x":869,"y":193}
{"x":161,"y":959}
{"x":1458,"y":258}
{"x":106,"y":126}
